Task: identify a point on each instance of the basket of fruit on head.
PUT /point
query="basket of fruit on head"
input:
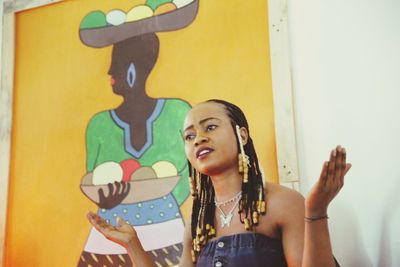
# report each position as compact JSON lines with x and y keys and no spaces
{"x":99,"y":29}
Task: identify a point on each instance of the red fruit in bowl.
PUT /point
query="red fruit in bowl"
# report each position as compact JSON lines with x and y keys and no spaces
{"x":129,"y":166}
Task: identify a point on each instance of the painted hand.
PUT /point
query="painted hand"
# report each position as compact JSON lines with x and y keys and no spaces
{"x":123,"y":234}
{"x":329,"y":184}
{"x":116,"y":193}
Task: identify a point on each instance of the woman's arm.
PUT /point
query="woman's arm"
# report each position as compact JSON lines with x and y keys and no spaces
{"x":291,"y":208}
{"x":305,"y":233}
{"x":317,"y":245}
{"x":124,"y":235}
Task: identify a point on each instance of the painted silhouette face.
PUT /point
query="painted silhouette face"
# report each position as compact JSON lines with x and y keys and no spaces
{"x":132,"y":62}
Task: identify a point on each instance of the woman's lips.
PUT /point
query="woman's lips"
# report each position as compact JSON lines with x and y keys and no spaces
{"x":112,"y":81}
{"x":203,"y":152}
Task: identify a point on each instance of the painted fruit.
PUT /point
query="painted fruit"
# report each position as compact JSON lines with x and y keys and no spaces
{"x":129,"y":166}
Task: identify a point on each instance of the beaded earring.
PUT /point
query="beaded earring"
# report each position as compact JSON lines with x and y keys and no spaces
{"x":192,"y":183}
{"x":261,"y":203}
{"x":244,"y":162}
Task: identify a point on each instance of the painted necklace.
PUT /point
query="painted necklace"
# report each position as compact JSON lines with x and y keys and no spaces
{"x":226,"y":219}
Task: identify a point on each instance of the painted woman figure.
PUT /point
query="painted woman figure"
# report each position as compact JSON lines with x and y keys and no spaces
{"x":136,"y":168}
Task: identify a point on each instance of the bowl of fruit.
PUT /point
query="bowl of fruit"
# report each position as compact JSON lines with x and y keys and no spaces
{"x":146,"y":182}
{"x":99,"y":29}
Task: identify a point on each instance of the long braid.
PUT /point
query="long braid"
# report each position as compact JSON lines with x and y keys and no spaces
{"x":252,"y":202}
{"x":253,"y":196}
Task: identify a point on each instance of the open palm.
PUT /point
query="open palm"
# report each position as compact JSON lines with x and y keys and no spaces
{"x":122,"y":234}
{"x":329,"y":183}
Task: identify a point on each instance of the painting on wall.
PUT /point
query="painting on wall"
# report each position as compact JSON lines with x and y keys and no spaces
{"x":136,"y":167}
{"x":100,"y":93}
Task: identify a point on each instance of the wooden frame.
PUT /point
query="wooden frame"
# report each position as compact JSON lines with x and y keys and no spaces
{"x":282,"y":90}
{"x":6,"y":91}
{"x":281,"y":83}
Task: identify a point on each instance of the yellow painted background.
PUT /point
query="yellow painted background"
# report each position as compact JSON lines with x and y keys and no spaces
{"x":60,"y":84}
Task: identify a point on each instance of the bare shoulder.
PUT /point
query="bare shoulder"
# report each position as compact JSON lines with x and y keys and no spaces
{"x":283,"y":202}
{"x":279,"y":193}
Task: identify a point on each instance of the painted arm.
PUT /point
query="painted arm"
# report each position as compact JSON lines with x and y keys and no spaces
{"x":92,"y":145}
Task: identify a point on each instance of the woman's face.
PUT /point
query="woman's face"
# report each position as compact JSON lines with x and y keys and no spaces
{"x":210,"y":141}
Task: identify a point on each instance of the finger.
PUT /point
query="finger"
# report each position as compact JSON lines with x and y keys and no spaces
{"x":102,"y":197}
{"x":95,"y":220}
{"x":127,"y":187}
{"x":331,"y":167}
{"x":123,"y":226}
{"x":324,"y":173}
{"x":100,"y":224}
{"x":121,"y":222}
{"x":338,"y":166}
{"x":110,"y":189}
{"x":91,"y":216}
{"x":348,"y":167}
{"x":343,"y":167}
{"x":117,"y":188}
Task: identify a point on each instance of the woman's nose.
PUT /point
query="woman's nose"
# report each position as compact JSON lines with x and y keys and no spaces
{"x":200,"y":139}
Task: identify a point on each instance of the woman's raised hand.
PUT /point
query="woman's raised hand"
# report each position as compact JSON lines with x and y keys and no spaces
{"x":123,"y":234}
{"x":329,"y":184}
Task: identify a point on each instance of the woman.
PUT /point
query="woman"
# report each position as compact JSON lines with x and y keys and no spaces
{"x":236,"y":220}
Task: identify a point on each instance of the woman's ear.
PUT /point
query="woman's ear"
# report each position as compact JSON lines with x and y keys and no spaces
{"x":244,"y":134}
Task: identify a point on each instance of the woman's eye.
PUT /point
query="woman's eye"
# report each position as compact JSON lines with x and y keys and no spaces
{"x":189,"y":137}
{"x":211,"y":127}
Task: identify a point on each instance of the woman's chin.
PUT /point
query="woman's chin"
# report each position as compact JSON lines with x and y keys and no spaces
{"x":208,"y":166}
{"x":209,"y":170}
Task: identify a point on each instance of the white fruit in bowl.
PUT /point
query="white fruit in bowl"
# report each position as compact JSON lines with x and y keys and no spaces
{"x":116,"y":17}
{"x":107,"y":172}
{"x":181,"y":3}
{"x":138,"y":13}
{"x":164,"y":169}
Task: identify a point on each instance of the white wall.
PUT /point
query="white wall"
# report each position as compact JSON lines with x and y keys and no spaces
{"x":346,"y":79}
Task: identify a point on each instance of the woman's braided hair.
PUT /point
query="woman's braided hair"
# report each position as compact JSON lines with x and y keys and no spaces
{"x":252,"y":202}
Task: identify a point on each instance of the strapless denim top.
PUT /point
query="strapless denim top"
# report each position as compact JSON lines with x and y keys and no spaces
{"x":246,"y":249}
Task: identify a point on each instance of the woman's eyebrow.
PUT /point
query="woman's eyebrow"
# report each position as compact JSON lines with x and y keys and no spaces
{"x":202,"y":121}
